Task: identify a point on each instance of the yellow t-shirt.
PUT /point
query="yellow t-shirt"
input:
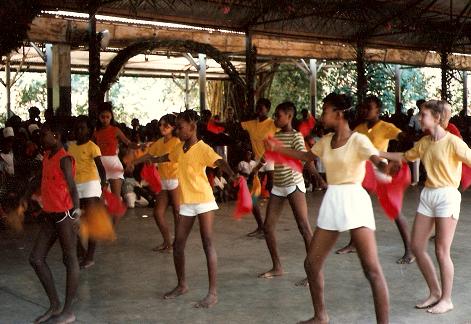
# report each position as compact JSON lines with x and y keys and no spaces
{"x":258,"y":131}
{"x":379,"y":134}
{"x":167,"y":170}
{"x":345,"y":164}
{"x":194,"y":185}
{"x":84,"y":156}
{"x":442,"y":159}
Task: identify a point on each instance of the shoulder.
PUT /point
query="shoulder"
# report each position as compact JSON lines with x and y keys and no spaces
{"x":361,"y":128}
{"x":360,"y":138}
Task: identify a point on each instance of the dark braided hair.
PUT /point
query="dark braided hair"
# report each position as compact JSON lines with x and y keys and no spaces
{"x":190,"y":116}
{"x":342,"y":102}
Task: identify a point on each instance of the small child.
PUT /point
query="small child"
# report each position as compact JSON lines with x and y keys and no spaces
{"x":196,"y":199}
{"x":249,"y":169}
{"x":220,"y":187}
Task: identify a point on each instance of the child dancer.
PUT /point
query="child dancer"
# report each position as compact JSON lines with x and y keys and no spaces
{"x":90,"y":176}
{"x":346,"y":205}
{"x":287,"y":185}
{"x":442,"y":154}
{"x":259,"y":129}
{"x":61,"y":216}
{"x":380,"y":133}
{"x":249,"y":169}
{"x":107,"y":137}
{"x":196,"y":199}
{"x":168,"y":174}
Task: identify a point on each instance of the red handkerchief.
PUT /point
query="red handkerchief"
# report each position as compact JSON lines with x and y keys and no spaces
{"x":150,"y":174}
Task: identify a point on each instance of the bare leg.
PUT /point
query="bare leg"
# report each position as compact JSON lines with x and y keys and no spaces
{"x":258,"y":218}
{"x":365,"y":243}
{"x":159,"y":217}
{"x":175,"y":201}
{"x":183,"y":230}
{"x":68,"y":241}
{"x":445,"y":232}
{"x":297,"y":201}
{"x":46,"y":238}
{"x":349,"y":248}
{"x":274,"y":208}
{"x":88,"y":261}
{"x":421,"y":230}
{"x":206,"y":230}
{"x":401,"y":224}
{"x":321,"y":244}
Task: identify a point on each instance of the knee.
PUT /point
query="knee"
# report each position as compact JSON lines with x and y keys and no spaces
{"x":207,"y":244}
{"x":372,"y":274}
{"x":442,"y":253}
{"x":178,"y":247}
{"x":36,"y":261}
{"x":69,"y":260}
{"x":304,"y":229}
{"x":417,"y":248}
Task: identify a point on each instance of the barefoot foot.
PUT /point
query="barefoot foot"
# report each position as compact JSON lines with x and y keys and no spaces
{"x":85,"y":264}
{"x":302,"y":283}
{"x":163,"y":248}
{"x":440,"y":308}
{"x":271,"y":274}
{"x":52,"y":311}
{"x":210,"y":300}
{"x":345,"y":250}
{"x":64,"y":318}
{"x":256,"y":233}
{"x":316,"y":320}
{"x":431,"y":301}
{"x":407,"y":258}
{"x":177,"y":291}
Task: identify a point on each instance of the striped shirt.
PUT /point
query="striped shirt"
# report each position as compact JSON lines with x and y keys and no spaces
{"x":283,"y":175}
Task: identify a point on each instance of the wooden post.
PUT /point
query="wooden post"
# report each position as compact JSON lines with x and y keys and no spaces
{"x":8,"y":85}
{"x":445,"y":67}
{"x":250,"y":61}
{"x":313,"y":85}
{"x":187,"y":89}
{"x":465,"y":92}
{"x":58,"y":73}
{"x":202,"y":80}
{"x":362,"y":84}
{"x":94,"y":62}
{"x":397,"y":86}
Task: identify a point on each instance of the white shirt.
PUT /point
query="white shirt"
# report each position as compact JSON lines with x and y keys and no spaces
{"x":219,"y":182}
{"x":246,"y":167}
{"x":414,"y":122}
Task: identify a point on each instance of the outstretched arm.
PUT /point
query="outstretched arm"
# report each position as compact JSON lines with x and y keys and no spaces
{"x":300,"y":155}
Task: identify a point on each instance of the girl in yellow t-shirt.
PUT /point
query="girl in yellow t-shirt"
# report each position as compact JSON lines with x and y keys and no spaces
{"x":90,"y":177}
{"x":196,"y":199}
{"x":346,"y":205}
{"x":442,"y":154}
{"x":168,"y":174}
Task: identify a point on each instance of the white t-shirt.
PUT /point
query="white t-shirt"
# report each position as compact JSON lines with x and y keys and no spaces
{"x":246,"y":167}
{"x":220,"y":182}
{"x":414,"y":122}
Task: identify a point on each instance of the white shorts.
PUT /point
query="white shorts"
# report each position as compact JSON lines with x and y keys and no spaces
{"x":113,"y":167}
{"x":346,"y":207}
{"x":196,"y":209}
{"x":286,"y":191}
{"x":440,"y":202}
{"x":169,"y":184}
{"x":267,"y":166}
{"x":89,"y":189}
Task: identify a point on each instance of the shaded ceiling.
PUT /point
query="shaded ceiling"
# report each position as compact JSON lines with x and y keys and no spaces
{"x":418,"y":24}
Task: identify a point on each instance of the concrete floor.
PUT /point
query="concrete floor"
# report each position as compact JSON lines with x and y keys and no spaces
{"x":128,"y":280}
